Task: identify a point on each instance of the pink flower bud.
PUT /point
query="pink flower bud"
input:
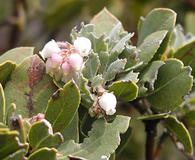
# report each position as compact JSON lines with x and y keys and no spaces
{"x":56,"y":60}
{"x":76,"y":61}
{"x":66,"y":68}
{"x":38,"y":117}
{"x":49,"y":48}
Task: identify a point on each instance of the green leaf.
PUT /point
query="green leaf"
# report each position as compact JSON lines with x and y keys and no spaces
{"x":97,"y":81}
{"x":41,"y":135}
{"x":120,"y":45}
{"x":125,"y":138}
{"x":178,"y":129}
{"x":71,"y":132}
{"x":149,"y":75}
{"x":153,"y":116}
{"x":6,"y":69}
{"x":115,"y":32}
{"x":189,"y":118}
{"x":158,"y":19}
{"x":103,"y":139}
{"x":2,"y":104}
{"x":86,"y":96}
{"x":31,"y":84}
{"x":104,"y":21}
{"x":63,"y":106}
{"x":131,"y":53}
{"x":114,"y":68}
{"x":150,"y":45}
{"x":124,"y":90}
{"x":104,"y":60}
{"x":174,"y":81}
{"x":99,"y":44}
{"x":91,"y":66}
{"x":177,"y":37}
{"x":85,"y":30}
{"x":17,"y":155}
{"x":186,"y":53}
{"x":44,"y":153}
{"x":17,"y":55}
{"x":129,"y":76}
{"x":9,"y":142}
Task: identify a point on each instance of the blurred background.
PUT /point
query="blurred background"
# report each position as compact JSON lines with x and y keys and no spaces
{"x":34,"y":22}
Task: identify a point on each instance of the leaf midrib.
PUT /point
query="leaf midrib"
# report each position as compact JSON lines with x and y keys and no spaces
{"x":167,"y":83}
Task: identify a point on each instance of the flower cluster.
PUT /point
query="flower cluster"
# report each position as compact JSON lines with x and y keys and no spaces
{"x":64,"y":60}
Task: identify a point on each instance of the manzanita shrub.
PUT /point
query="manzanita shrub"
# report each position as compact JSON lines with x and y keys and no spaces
{"x":66,"y":101}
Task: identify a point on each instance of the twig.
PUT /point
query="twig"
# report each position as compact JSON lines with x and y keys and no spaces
{"x":150,"y":128}
{"x":18,"y":18}
{"x":162,"y":139}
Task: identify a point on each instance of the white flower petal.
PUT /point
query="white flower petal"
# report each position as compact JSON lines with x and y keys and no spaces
{"x":108,"y":103}
{"x":83,"y":45}
{"x":49,"y":48}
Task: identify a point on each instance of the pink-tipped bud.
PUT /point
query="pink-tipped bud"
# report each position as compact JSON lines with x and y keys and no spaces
{"x":38,"y":117}
{"x":56,"y":60}
{"x":66,"y":68}
{"x":76,"y":61}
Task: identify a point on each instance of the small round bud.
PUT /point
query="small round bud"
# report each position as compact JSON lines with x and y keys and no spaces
{"x":66,"y":68}
{"x":49,"y":48}
{"x":76,"y":61}
{"x":108,"y":103}
{"x":56,"y":60}
{"x":83,"y":45}
{"x":104,"y":157}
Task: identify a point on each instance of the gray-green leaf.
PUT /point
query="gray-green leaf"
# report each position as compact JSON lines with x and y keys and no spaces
{"x":150,"y":45}
{"x":124,"y":90}
{"x":44,"y":153}
{"x":41,"y":135}
{"x":6,"y":69}
{"x":174,"y":81}
{"x":9,"y":142}
{"x":149,"y":75}
{"x":17,"y":55}
{"x":103,"y":139}
{"x":157,"y":20}
{"x":114,"y":68}
{"x":63,"y":106}
{"x":32,"y":86}
{"x":2,"y":104}
{"x":104,"y":21}
{"x":178,"y":129}
{"x":91,"y":66}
